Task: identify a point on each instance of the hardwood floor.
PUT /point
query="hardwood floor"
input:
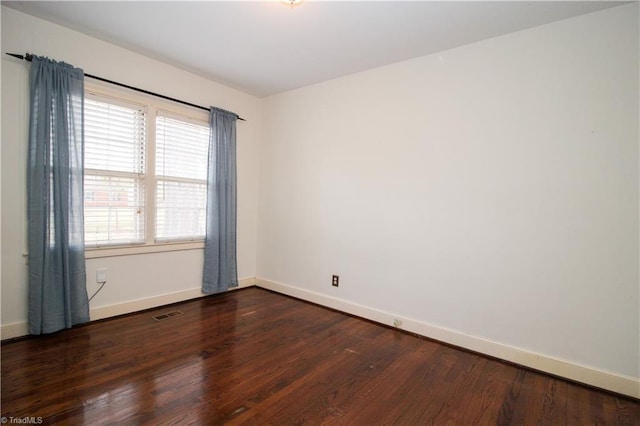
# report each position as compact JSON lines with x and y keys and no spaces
{"x":256,"y":357}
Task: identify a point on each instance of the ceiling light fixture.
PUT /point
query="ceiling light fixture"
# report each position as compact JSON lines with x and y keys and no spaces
{"x":292,"y":3}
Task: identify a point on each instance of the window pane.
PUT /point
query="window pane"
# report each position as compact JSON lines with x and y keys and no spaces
{"x":180,"y":210}
{"x":113,"y":210}
{"x":114,"y":137}
{"x":181,"y":148}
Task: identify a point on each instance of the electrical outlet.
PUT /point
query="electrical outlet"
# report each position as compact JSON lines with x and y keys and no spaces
{"x":101,"y":275}
{"x":335,"y":280}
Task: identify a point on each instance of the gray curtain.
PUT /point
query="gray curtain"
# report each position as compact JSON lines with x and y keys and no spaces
{"x":220,"y":264}
{"x":57,"y":276}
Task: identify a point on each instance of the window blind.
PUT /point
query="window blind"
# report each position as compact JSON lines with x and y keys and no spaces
{"x":114,"y":184}
{"x":181,"y":178}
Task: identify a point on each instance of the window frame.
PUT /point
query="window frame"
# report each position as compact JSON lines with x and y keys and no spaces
{"x":177,"y":179}
{"x":153,"y":106}
{"x":138,"y":178}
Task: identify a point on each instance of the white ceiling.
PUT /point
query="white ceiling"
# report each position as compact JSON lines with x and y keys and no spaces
{"x":264,"y":48}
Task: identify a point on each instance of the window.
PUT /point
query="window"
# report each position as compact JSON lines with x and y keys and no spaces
{"x":181,"y":185}
{"x":145,"y":172}
{"x":114,"y":162}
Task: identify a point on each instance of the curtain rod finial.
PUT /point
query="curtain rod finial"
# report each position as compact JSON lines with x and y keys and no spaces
{"x":26,"y":57}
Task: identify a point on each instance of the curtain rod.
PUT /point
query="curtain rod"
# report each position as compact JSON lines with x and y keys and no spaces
{"x":28,"y":57}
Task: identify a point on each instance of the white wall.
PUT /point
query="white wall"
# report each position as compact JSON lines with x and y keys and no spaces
{"x":490,"y":190}
{"x":139,"y":278}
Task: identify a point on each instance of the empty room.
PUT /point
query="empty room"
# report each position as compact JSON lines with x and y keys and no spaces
{"x":320,"y":212}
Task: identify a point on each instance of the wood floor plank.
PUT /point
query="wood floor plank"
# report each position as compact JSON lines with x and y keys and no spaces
{"x":369,"y":403}
{"x":255,"y":357}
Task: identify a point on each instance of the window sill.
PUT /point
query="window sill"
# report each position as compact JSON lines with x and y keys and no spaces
{"x":93,"y":253}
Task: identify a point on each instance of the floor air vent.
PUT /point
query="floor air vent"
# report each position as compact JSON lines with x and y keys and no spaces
{"x":167,"y":315}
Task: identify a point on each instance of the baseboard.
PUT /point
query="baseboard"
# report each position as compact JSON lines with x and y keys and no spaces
{"x":13,"y":330}
{"x":620,"y":384}
{"x":18,"y":329}
{"x":153,"y":302}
